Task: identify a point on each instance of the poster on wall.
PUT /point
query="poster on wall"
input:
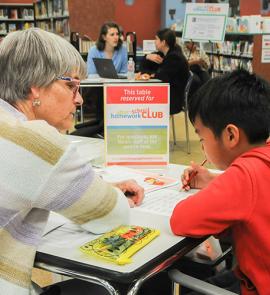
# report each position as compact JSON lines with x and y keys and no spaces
{"x":205,"y":22}
{"x":265,"y":58}
{"x":137,"y":124}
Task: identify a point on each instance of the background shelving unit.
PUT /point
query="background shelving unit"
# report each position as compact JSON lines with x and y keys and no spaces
{"x":235,"y":52}
{"x":16,"y":16}
{"x":53,"y":16}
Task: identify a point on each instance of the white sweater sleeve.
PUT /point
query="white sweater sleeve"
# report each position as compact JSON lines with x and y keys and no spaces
{"x":118,"y":216}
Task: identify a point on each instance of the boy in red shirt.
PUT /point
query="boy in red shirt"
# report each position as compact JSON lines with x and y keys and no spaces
{"x":231,"y":115}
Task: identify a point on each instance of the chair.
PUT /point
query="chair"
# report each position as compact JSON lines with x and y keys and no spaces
{"x":185,"y":109}
{"x":194,"y":284}
{"x":90,"y":129}
{"x":179,"y":278}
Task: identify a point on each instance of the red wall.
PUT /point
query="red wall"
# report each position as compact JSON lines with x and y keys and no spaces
{"x":86,"y":16}
{"x":143,"y":17}
{"x":249,"y":7}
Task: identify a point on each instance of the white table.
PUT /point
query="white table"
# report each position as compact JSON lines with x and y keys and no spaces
{"x":59,"y":251}
{"x":96,"y":81}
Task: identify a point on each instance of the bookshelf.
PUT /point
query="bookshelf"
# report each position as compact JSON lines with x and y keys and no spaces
{"x":235,"y":52}
{"x":235,"y":58}
{"x":53,"y":16}
{"x":81,"y":43}
{"x":16,"y":16}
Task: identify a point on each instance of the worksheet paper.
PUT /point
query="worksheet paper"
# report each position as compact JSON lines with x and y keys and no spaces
{"x":148,"y":180}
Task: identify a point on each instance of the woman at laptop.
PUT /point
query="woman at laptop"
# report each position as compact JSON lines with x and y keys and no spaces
{"x":109,"y":45}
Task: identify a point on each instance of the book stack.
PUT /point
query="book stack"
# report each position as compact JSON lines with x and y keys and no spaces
{"x":3,"y":13}
{"x":27,"y":13}
{"x":12,"y":27}
{"x":13,"y":13}
{"x":85,"y":44}
{"x":3,"y":28}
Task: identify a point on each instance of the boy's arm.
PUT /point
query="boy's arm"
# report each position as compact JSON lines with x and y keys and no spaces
{"x":226,"y":200}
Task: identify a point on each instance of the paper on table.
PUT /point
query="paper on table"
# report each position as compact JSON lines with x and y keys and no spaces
{"x":162,"y":202}
{"x":55,"y":220}
{"x":90,"y":149}
{"x":148,"y":180}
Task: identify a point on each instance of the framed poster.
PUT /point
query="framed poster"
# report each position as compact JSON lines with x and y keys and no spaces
{"x":205,"y":22}
{"x":137,"y":124}
{"x":265,"y":57}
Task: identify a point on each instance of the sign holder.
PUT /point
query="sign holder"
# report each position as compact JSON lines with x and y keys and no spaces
{"x":136,"y":121}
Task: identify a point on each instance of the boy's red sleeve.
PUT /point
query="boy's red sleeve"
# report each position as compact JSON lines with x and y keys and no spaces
{"x":228,"y":199}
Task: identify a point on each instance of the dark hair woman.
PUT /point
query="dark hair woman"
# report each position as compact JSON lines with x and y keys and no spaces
{"x":169,"y":65}
{"x":109,"y":45}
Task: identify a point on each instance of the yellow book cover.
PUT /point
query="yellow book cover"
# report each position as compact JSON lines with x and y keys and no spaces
{"x":120,"y":244}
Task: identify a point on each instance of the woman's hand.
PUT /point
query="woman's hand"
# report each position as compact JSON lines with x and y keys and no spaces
{"x":133,"y":191}
{"x":154,"y":58}
{"x":140,"y":76}
{"x":196,"y":176}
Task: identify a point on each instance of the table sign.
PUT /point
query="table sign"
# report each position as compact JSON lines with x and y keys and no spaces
{"x":137,"y":124}
{"x":205,"y":22}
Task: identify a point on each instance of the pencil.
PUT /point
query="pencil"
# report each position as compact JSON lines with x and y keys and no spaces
{"x":192,"y":175}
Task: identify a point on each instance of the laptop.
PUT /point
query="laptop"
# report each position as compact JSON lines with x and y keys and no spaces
{"x":106,"y":69}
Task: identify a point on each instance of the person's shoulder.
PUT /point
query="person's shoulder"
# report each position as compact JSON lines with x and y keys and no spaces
{"x":122,"y":49}
{"x":40,"y":138}
{"x":177,"y":56}
{"x":254,"y":161}
{"x":45,"y":130}
{"x":94,"y":50}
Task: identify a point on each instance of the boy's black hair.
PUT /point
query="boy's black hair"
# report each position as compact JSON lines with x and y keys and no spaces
{"x":238,"y":98}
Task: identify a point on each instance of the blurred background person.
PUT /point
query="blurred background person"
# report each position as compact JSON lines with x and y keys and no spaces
{"x":198,"y":61}
{"x":169,"y":65}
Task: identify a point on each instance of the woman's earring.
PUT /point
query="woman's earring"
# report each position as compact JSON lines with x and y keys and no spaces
{"x":36,"y":102}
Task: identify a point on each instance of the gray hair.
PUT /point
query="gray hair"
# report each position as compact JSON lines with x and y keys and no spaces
{"x":35,"y":57}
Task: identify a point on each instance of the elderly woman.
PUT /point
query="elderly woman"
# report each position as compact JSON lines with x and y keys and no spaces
{"x":40,"y":170}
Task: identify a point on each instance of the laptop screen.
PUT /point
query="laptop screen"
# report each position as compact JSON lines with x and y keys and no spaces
{"x":105,"y":68}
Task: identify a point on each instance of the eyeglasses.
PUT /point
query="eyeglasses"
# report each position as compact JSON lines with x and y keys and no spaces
{"x":74,"y":84}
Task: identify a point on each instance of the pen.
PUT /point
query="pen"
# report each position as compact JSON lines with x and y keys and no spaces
{"x":192,"y":175}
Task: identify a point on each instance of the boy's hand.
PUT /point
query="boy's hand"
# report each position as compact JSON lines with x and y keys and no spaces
{"x":196,"y":176}
{"x":133,"y":191}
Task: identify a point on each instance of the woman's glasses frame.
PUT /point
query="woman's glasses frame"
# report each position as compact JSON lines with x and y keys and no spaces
{"x":76,"y":84}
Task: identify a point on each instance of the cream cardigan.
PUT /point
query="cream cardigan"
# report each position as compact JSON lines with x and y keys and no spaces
{"x":40,"y":171}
